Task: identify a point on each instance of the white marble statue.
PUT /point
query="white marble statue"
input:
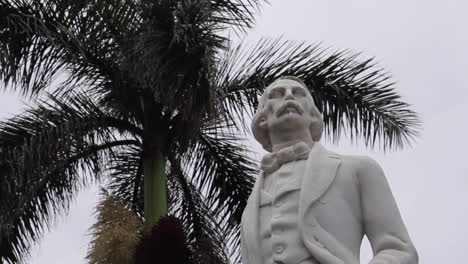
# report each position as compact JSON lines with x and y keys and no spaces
{"x":310,"y":205}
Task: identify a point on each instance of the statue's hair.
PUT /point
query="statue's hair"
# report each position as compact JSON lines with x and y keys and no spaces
{"x":260,"y":132}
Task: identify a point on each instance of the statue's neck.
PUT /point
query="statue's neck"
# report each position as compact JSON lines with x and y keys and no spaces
{"x":290,"y":138}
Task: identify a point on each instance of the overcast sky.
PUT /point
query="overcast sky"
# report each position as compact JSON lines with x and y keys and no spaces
{"x":424,"y":45}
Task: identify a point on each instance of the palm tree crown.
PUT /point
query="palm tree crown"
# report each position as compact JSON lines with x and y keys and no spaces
{"x":151,"y":100}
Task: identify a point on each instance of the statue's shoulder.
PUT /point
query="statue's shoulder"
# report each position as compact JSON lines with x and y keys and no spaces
{"x":365,"y":169}
{"x":357,"y":163}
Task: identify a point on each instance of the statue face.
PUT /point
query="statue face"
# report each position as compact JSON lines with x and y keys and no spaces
{"x":289,"y":106}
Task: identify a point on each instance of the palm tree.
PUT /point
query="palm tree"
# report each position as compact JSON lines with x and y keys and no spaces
{"x":150,"y":96}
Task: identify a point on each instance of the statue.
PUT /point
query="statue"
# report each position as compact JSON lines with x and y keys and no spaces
{"x":310,"y":205}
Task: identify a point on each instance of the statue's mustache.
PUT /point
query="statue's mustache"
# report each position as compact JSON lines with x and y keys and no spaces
{"x":283,"y":109}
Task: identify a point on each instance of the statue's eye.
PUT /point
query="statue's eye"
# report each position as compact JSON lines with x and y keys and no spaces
{"x":276,"y":93}
{"x":299,"y":92}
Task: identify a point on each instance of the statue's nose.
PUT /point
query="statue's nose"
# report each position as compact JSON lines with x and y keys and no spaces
{"x":289,"y":95}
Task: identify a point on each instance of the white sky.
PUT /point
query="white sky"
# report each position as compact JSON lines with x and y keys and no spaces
{"x":424,"y":46}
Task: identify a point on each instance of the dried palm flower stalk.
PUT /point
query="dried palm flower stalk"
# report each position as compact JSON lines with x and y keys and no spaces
{"x":115,"y":234}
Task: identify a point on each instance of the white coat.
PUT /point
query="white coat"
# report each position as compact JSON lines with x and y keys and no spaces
{"x":342,"y":198}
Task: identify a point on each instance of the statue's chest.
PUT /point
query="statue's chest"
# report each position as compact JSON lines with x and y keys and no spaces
{"x":279,"y":198}
{"x":278,"y":215}
{"x":289,"y":173}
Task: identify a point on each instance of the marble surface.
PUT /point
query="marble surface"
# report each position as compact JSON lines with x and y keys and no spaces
{"x":317,"y":208}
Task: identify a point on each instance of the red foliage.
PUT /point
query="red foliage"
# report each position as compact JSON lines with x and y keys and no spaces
{"x":166,"y":243}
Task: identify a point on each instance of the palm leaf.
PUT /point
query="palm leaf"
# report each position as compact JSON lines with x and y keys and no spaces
{"x":353,"y":95}
{"x":222,"y":168}
{"x":39,"y":40}
{"x":239,"y":14}
{"x":186,"y":202}
{"x":158,"y":74}
{"x":126,"y":178}
{"x":42,"y":152}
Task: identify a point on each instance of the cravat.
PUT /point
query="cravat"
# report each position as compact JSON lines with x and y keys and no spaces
{"x":273,"y":161}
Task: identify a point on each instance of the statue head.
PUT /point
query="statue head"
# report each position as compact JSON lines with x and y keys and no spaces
{"x":286,"y":104}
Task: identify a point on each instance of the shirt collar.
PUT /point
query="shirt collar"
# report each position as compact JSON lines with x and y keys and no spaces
{"x":273,"y":161}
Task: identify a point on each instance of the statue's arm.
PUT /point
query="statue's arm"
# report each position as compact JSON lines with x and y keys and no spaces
{"x":382,"y":221}
{"x":245,"y":259}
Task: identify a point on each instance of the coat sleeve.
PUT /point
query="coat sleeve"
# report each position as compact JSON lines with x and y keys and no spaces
{"x":244,"y":253}
{"x":382,"y":221}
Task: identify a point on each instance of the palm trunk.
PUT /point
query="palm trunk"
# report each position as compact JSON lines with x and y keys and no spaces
{"x":154,"y":164}
{"x":154,"y":189}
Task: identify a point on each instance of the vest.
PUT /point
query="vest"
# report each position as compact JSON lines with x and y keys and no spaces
{"x":281,"y":242}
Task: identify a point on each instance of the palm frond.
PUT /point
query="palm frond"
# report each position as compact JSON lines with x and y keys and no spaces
{"x":171,"y":61}
{"x":186,"y":202}
{"x":42,"y":152}
{"x":222,"y":168}
{"x":239,"y":14}
{"x":22,"y":56}
{"x":236,"y":14}
{"x":126,"y":178}
{"x":40,"y":39}
{"x":351,"y":93}
{"x":172,"y":57}
{"x":157,"y":74}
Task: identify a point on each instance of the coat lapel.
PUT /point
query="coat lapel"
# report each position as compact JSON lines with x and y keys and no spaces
{"x":319,"y":174}
{"x":251,"y":224}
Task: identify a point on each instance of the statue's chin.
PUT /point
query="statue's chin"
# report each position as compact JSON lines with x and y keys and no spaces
{"x":288,"y":121}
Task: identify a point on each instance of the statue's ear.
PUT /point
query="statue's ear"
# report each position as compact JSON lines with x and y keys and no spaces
{"x":262,"y":122}
{"x":316,"y":127}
